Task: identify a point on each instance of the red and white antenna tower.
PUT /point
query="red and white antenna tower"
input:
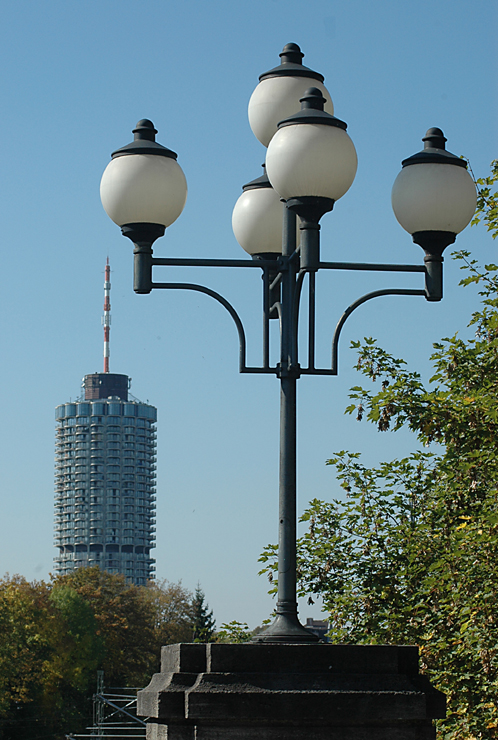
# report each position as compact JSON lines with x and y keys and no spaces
{"x":106,"y":318}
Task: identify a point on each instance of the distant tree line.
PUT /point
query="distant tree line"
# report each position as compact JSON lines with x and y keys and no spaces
{"x":55,"y":636}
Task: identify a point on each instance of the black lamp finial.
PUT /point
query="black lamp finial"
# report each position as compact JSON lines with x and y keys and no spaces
{"x":145,"y":130}
{"x":291,"y":54}
{"x":434,"y":139}
{"x":312,"y":99}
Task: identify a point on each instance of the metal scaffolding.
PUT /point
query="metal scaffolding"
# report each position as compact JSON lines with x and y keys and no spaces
{"x":114,"y":714}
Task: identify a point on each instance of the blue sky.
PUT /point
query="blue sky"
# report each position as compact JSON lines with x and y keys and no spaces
{"x":76,"y":77}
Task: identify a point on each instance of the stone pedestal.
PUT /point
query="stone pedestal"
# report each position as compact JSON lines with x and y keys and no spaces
{"x":289,"y":692}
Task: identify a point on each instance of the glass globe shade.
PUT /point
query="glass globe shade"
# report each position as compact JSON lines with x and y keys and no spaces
{"x":257,"y":221}
{"x":434,"y":197}
{"x":143,"y":188}
{"x":311,"y":160}
{"x":276,"y":98}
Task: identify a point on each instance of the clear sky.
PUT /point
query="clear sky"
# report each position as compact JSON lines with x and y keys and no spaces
{"x":76,"y":77}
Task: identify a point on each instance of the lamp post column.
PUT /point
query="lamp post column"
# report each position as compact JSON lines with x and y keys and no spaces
{"x":287,"y":604}
{"x":286,"y":627}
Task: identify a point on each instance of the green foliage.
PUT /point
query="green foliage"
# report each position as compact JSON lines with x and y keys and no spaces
{"x":54,"y":637}
{"x":234,"y":632}
{"x":411,"y":554}
{"x":487,"y":200}
{"x":204,"y":623}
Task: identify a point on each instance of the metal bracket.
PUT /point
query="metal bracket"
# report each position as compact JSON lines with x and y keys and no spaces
{"x":270,"y":309}
{"x":335,"y":340}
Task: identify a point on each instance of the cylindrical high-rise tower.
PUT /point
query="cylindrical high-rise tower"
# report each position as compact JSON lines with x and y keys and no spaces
{"x":105,"y":479}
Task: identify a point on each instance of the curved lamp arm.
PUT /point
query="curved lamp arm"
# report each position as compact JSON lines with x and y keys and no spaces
{"x":233,"y":313}
{"x":351,"y":308}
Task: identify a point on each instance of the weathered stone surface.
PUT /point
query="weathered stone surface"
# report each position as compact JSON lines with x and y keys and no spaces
{"x":318,"y":658}
{"x":170,"y":732}
{"x":186,"y":657}
{"x":290,"y":692}
{"x":165,"y":695}
{"x":305,"y":732}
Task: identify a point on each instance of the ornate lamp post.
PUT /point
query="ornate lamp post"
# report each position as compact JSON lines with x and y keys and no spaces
{"x":310,"y":164}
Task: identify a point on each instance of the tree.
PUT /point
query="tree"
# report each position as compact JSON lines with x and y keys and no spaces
{"x":125,"y":621}
{"x":49,"y":652}
{"x":55,"y":636}
{"x":411,"y":555}
{"x":203,"y":621}
{"x":173,"y":610}
{"x":24,"y":648}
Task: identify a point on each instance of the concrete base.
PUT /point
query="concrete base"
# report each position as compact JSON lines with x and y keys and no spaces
{"x":289,"y":692}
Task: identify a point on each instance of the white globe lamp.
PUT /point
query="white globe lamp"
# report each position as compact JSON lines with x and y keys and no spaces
{"x":434,"y":198}
{"x":279,"y":91}
{"x":143,"y":190}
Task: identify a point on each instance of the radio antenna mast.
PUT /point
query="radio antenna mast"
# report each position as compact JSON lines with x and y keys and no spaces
{"x":106,"y":318}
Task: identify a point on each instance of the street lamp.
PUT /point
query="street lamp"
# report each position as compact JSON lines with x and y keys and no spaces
{"x":310,"y":164}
